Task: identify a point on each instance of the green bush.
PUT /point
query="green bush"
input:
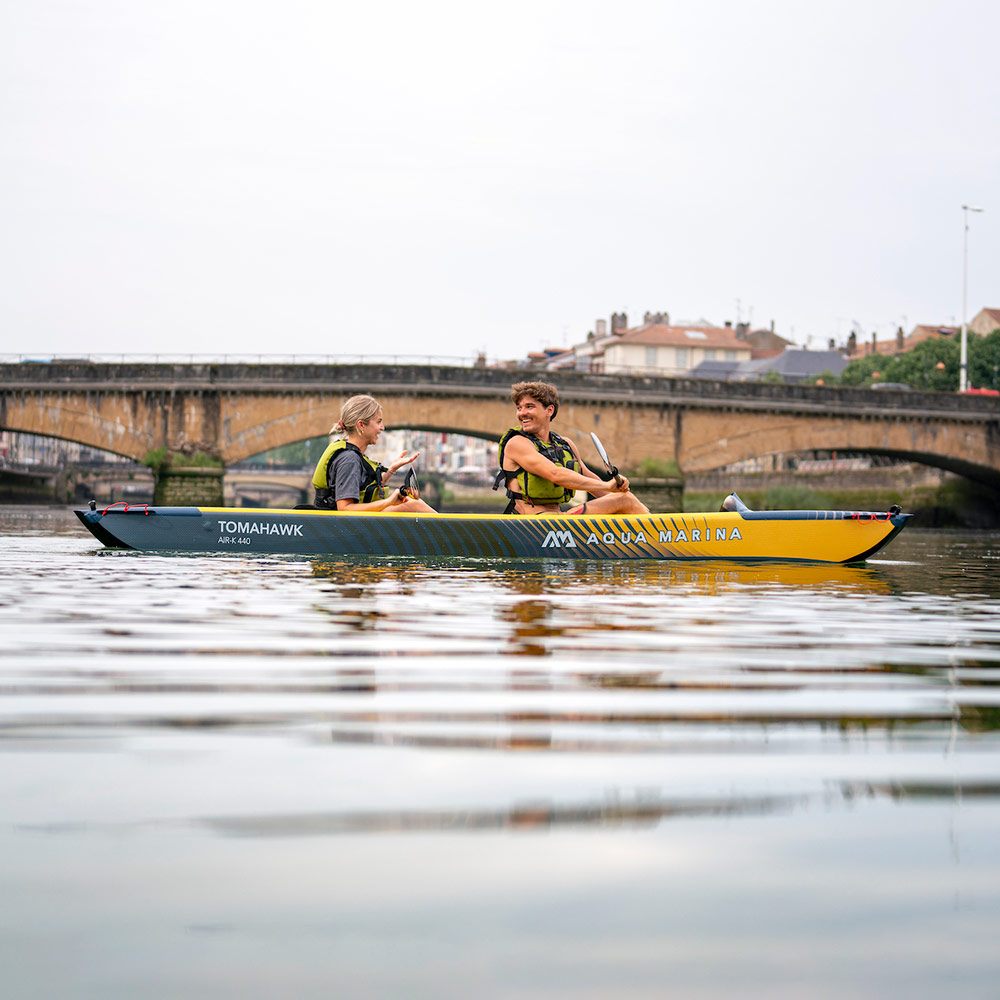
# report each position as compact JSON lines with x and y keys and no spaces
{"x":199,"y":460}
{"x":160,"y":457}
{"x":155,"y":458}
{"x":657,"y":468}
{"x":795,"y":498}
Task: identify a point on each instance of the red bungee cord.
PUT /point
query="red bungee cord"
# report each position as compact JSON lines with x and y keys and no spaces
{"x":126,"y":507}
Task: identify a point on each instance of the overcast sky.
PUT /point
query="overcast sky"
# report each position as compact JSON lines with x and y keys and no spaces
{"x":442,"y":178}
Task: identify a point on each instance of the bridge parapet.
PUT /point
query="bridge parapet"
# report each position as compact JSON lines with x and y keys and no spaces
{"x":420,"y":380}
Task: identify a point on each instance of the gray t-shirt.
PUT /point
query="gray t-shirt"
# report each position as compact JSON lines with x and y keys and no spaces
{"x":344,"y":475}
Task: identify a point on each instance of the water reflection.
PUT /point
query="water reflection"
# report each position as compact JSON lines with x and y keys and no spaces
{"x":523,"y":817}
{"x":567,"y":746}
{"x":534,"y":578}
{"x":636,"y":812}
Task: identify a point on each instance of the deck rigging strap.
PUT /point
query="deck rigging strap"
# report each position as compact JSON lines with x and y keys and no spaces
{"x":126,"y":507}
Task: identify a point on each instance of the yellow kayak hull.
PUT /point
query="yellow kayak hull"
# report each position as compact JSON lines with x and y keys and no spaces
{"x":741,"y":535}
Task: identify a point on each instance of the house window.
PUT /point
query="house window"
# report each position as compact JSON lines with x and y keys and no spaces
{"x":681,"y":356}
{"x":730,"y":355}
{"x":709,"y":355}
{"x":650,"y":357}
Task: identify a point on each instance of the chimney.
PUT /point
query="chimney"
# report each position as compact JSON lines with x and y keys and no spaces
{"x":600,"y":328}
{"x":899,"y":340}
{"x":619,"y":322}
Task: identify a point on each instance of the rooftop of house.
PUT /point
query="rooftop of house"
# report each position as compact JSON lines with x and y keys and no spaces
{"x":797,"y":362}
{"x":765,"y":340}
{"x":716,"y":369}
{"x":656,"y":334}
{"x":922,"y":331}
{"x":792,"y":364}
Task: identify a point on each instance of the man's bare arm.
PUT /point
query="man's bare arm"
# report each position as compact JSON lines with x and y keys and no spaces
{"x":521,"y":451}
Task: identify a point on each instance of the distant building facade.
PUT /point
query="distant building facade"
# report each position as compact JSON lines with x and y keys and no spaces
{"x":985,"y":322}
{"x":657,"y":347}
{"x":672,"y":350}
{"x":441,"y":452}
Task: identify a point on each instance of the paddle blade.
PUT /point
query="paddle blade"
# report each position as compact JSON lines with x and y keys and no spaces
{"x":600,"y":450}
{"x":410,"y":484}
{"x":604,"y":457}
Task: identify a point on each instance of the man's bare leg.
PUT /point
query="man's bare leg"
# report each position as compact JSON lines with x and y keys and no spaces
{"x":612,"y":503}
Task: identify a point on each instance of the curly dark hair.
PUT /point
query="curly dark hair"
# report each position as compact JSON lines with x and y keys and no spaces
{"x":546,"y":394}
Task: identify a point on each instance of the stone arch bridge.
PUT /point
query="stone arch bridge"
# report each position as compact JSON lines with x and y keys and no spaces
{"x":165,"y":413}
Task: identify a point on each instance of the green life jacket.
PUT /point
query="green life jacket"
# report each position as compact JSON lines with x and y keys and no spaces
{"x":371,"y":475}
{"x":533,"y":488}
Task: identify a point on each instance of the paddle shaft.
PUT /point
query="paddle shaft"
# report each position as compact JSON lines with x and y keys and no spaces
{"x":604,"y":457}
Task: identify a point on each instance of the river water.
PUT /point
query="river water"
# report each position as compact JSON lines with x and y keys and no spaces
{"x":226,"y":776}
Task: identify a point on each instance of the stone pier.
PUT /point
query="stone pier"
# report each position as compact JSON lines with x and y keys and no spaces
{"x":176,"y":484}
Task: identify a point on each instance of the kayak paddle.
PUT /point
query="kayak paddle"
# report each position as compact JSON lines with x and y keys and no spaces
{"x":410,"y":484}
{"x":604,"y":457}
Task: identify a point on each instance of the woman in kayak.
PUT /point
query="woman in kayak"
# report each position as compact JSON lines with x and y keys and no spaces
{"x":346,"y":479}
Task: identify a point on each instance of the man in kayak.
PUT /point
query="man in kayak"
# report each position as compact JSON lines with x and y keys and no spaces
{"x":542,"y":470}
{"x":346,"y":479}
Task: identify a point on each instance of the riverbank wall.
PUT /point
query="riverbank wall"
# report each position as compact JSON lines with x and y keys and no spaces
{"x":937,"y":499}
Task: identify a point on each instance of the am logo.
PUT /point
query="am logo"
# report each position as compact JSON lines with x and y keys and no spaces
{"x":558,"y":540}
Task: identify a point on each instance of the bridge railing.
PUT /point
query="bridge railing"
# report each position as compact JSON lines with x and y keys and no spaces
{"x":339,"y":375}
{"x":249,"y":359}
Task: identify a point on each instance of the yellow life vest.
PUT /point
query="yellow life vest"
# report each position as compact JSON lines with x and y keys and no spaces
{"x":533,"y":488}
{"x":371,"y":475}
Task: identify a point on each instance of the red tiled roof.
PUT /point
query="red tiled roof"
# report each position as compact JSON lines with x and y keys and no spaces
{"x":925,"y":331}
{"x":766,"y":340}
{"x":684,"y":336}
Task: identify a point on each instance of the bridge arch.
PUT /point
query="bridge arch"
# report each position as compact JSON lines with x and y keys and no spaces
{"x":254,"y":428}
{"x":235,"y":411}
{"x":715,"y":441}
{"x":64,"y":420}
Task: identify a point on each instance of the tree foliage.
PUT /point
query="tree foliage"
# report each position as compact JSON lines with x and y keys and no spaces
{"x":984,"y":361}
{"x":919,"y":368}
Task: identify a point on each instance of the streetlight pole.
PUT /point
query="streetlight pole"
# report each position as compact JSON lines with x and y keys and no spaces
{"x":963,"y":367}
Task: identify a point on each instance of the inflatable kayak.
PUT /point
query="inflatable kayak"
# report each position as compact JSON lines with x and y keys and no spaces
{"x":736,"y":534}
